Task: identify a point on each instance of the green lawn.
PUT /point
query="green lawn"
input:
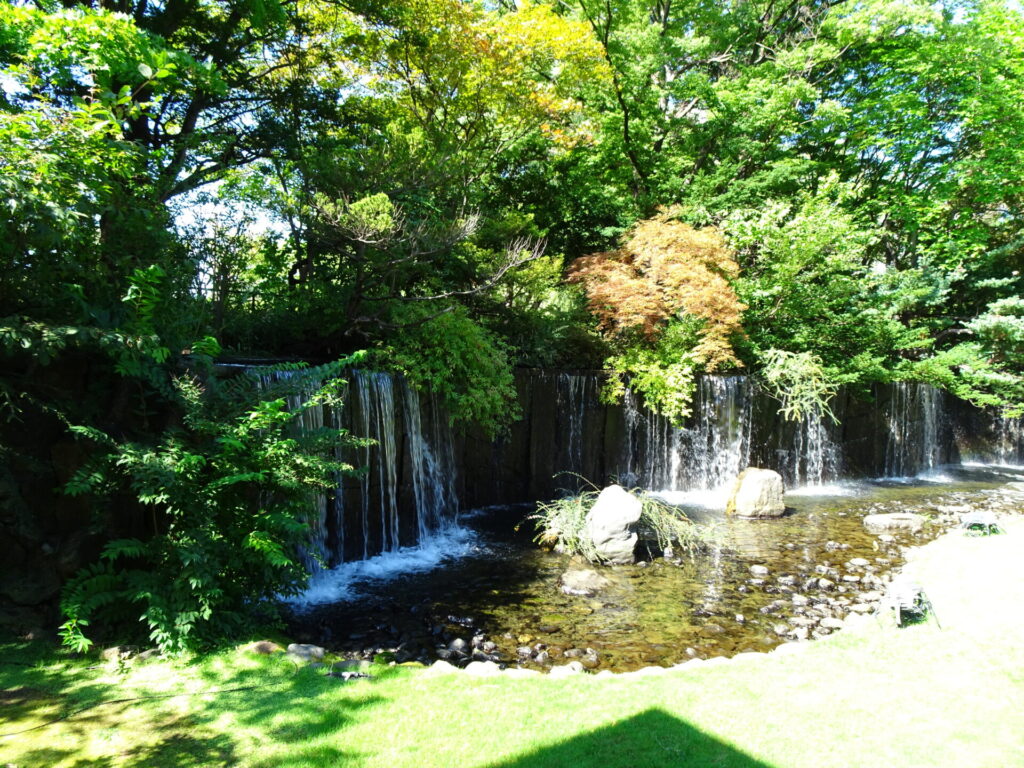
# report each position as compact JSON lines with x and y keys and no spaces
{"x":919,"y":696}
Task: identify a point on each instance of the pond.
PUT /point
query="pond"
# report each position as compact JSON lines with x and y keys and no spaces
{"x":496,"y":595}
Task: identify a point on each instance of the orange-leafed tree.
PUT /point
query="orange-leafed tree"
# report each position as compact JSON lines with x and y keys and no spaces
{"x":666,"y":272}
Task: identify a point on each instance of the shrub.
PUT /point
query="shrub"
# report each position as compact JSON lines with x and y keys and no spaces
{"x":228,"y":494}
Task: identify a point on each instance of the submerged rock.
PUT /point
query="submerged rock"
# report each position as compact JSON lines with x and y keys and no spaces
{"x":608,"y":524}
{"x":893,"y":521}
{"x":585,"y":583}
{"x":757,"y":493}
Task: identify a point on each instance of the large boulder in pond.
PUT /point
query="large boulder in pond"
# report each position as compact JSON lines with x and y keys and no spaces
{"x":608,"y":524}
{"x":757,"y":493}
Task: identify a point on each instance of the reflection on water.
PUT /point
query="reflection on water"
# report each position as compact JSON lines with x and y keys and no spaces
{"x":657,"y":612}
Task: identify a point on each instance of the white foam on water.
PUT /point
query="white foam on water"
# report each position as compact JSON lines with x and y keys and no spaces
{"x":830,"y":489}
{"x":342,"y":582}
{"x":706,"y":499}
{"x":993,"y":465}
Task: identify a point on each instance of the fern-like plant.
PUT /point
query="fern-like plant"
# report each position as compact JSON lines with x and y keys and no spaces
{"x":228,"y":495}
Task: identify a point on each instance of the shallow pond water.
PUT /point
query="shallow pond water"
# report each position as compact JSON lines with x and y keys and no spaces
{"x":501,"y":599}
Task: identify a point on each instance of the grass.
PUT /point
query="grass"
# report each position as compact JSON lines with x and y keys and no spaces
{"x":919,"y":696}
{"x":562,"y":523}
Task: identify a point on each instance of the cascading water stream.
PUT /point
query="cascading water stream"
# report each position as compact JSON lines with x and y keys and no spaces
{"x":719,"y":441}
{"x":433,"y":466}
{"x":406,"y":493}
{"x":1009,"y":448}
{"x":916,"y":418}
{"x":573,"y":391}
{"x":374,"y":409}
{"x":704,"y":455}
{"x":817,"y":459}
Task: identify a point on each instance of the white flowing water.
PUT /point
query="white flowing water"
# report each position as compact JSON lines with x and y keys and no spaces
{"x":916,"y":416}
{"x":817,"y":457}
{"x":704,"y":455}
{"x":1009,"y":448}
{"x":410,"y":448}
{"x":433,"y":466}
{"x":375,"y":418}
{"x":575,"y":394}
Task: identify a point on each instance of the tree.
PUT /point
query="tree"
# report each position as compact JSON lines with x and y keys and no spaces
{"x":667,"y":290}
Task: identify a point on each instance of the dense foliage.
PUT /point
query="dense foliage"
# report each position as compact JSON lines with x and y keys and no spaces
{"x":821,"y":192}
{"x":229,"y":491}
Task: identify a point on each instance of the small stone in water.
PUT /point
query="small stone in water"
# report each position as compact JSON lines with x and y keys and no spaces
{"x":858,"y":562}
{"x":758,"y":570}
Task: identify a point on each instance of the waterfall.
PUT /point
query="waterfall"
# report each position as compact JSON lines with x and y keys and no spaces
{"x":718,"y":443}
{"x":1009,"y":448}
{"x":433,"y":465}
{"x":932,"y":416}
{"x":705,"y":454}
{"x":573,"y":391}
{"x":916,"y":417}
{"x":648,"y":455}
{"x":317,"y":550}
{"x":816,"y":458}
{"x":406,"y":491}
{"x":375,"y":418}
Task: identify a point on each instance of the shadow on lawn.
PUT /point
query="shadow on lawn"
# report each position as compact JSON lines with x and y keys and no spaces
{"x":652,"y":739}
{"x":288,"y":708}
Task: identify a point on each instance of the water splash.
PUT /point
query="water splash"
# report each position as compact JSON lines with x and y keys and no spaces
{"x":343,"y":582}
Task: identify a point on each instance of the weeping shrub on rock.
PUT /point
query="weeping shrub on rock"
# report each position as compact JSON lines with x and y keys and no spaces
{"x":226,"y":496}
{"x":564,"y":525}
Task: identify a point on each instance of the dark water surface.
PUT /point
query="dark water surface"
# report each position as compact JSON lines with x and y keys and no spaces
{"x":502,"y":595}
